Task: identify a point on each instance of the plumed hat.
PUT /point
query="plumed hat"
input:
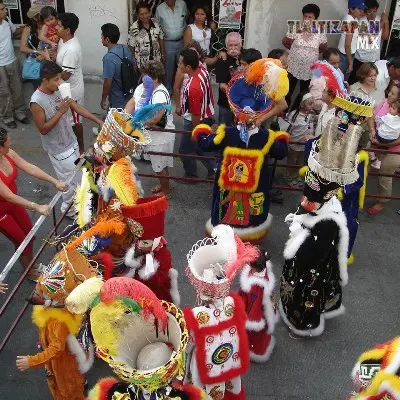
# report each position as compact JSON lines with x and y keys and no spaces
{"x":214,"y":262}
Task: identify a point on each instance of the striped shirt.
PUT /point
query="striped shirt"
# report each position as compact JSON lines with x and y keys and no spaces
{"x":198,"y":96}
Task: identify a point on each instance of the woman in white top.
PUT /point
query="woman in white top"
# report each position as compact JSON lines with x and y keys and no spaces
{"x":160,"y":141}
{"x":201,"y":30}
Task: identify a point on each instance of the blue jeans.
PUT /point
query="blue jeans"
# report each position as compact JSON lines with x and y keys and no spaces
{"x":225,"y":116}
{"x":172,"y":51}
{"x":188,"y":146}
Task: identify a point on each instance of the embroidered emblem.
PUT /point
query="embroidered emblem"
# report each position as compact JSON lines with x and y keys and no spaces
{"x":229,"y":385}
{"x":216,"y":393}
{"x":217,"y":313}
{"x":256,"y":201}
{"x":312,"y":181}
{"x":53,"y":277}
{"x":240,"y":169}
{"x":210,"y":339}
{"x":222,"y":353}
{"x":229,"y":310}
{"x":202,"y":318}
{"x":331,"y":194}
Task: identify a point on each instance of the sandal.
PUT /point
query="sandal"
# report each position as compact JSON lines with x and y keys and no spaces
{"x":156,"y":189}
{"x":376,"y":209}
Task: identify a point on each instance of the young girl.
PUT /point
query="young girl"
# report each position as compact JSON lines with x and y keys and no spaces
{"x":386,"y":117}
{"x":48,"y":32}
{"x":301,"y":128}
{"x":256,"y":290}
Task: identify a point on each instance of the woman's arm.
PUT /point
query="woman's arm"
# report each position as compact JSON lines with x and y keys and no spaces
{"x":395,"y":143}
{"x":179,"y":77}
{"x":162,"y":49}
{"x":187,"y":36}
{"x":130,"y":106}
{"x":9,"y":196}
{"x":23,"y":47}
{"x":385,"y":27}
{"x":287,"y":42}
{"x":32,"y":170}
{"x":347,"y":47}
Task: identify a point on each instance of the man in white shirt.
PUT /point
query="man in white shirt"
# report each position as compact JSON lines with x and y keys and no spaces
{"x":348,"y":40}
{"x":387,"y":70}
{"x":69,"y":58}
{"x":11,"y":93}
{"x":172,"y":15}
{"x":372,"y":54}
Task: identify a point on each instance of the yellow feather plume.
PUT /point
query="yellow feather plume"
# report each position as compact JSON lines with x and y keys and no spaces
{"x":83,"y":200}
{"x":120,"y":177}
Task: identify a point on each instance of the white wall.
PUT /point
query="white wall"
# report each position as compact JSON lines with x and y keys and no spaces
{"x":266,"y":20}
{"x":93,"y":14}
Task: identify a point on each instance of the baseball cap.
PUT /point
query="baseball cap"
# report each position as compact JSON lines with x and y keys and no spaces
{"x":357,"y":4}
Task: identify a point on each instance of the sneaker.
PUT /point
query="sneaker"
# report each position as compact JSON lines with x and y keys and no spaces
{"x":376,"y":164}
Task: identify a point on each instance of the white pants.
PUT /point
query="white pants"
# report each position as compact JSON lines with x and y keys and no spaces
{"x":64,"y":166}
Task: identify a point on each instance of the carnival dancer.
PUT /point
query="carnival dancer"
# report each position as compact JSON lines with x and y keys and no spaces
{"x":257,"y":283}
{"x":377,"y":373}
{"x":243,"y":179}
{"x":219,"y":352}
{"x":352,"y":196}
{"x":61,"y":354}
{"x":149,"y":259}
{"x":315,"y":255}
{"x":142,"y":338}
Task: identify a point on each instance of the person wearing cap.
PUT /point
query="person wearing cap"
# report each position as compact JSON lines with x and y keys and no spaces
{"x":349,"y":39}
{"x":387,"y":70}
{"x":12,"y":102}
{"x":370,"y":54}
{"x":149,"y":260}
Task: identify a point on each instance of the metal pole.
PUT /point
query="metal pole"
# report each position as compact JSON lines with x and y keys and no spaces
{"x":35,"y":228}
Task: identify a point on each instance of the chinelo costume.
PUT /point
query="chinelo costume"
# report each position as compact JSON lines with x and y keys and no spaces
{"x":352,"y":196}
{"x":257,"y":293}
{"x":219,"y":353}
{"x":315,"y":268}
{"x":377,"y":373}
{"x":142,"y":338}
{"x":243,"y":180}
{"x":62,"y":355}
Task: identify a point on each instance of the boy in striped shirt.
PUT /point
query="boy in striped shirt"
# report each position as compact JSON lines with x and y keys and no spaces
{"x":197,"y":107}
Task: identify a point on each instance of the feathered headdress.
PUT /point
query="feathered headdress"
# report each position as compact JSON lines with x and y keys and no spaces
{"x":332,"y":76}
{"x":269,"y":73}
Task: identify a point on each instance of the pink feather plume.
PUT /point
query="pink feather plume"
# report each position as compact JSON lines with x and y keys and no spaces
{"x":246,"y":254}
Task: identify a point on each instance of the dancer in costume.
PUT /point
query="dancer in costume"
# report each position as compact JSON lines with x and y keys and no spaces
{"x":219,"y":353}
{"x":149,"y":260}
{"x":257,"y":283}
{"x":243,"y":180}
{"x":142,"y":338}
{"x":61,"y":354}
{"x":315,"y":255}
{"x":377,"y":373}
{"x":352,"y":196}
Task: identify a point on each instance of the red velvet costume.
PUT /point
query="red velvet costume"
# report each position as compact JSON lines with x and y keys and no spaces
{"x":15,"y":223}
{"x":256,"y":291}
{"x":153,"y":267}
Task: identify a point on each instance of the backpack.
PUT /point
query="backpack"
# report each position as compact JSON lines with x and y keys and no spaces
{"x":129,"y":76}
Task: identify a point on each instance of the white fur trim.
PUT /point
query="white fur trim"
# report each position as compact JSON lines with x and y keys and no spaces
{"x":386,"y":387}
{"x":142,"y":274}
{"x":335,"y":313}
{"x":243,"y":233}
{"x":247,"y":280}
{"x":329,"y":211}
{"x":174,"y":291}
{"x":266,"y":356}
{"x":131,"y":261}
{"x":84,"y":363}
{"x":304,"y":333}
{"x":393,"y":367}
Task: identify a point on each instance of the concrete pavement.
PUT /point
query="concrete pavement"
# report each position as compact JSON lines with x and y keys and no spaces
{"x":307,"y":369}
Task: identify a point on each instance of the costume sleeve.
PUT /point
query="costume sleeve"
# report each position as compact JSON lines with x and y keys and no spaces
{"x":58,"y":333}
{"x":279,"y":149}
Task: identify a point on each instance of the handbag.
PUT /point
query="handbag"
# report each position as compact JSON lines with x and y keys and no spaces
{"x":31,"y":69}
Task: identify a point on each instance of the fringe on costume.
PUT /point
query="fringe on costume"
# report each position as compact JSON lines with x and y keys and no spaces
{"x":84,"y":362}
{"x":146,"y":207}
